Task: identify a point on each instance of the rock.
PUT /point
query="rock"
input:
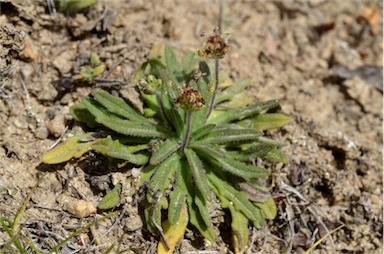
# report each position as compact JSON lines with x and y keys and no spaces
{"x":63,"y":62}
{"x":81,"y":208}
{"x":56,"y":125}
{"x":30,"y":51}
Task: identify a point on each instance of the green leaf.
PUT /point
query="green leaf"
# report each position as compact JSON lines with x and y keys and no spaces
{"x":269,"y":208}
{"x":95,"y":60}
{"x":87,"y":73}
{"x":270,"y":141}
{"x":74,"y":6}
{"x":177,"y":198}
{"x":165,"y":149}
{"x":240,"y":169}
{"x":80,"y":113}
{"x":265,"y":121}
{"x":111,"y":199}
{"x":197,"y":221}
{"x":140,"y":73}
{"x":188,"y":64}
{"x":113,"y":148}
{"x":207,"y":150}
{"x":199,"y":116}
{"x":160,"y":179}
{"x":172,"y":65}
{"x":225,"y":135}
{"x":276,"y":155}
{"x":258,"y":150}
{"x":202,"y":131}
{"x":75,"y":147}
{"x":198,"y":173}
{"x":239,"y":114}
{"x":119,"y":125}
{"x":194,"y":212}
{"x":155,"y":209}
{"x":228,"y":93}
{"x":118,"y":106}
{"x":203,"y":209}
{"x":239,"y":226}
{"x":239,"y":200}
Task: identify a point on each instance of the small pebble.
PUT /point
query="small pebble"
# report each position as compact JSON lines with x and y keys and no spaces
{"x":81,"y":208}
{"x":30,"y":51}
{"x":136,"y":172}
{"x":56,"y":126}
{"x":20,"y":123}
{"x":41,"y":132}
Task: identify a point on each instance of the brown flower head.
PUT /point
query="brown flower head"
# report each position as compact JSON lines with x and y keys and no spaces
{"x":190,"y":99}
{"x":215,"y":47}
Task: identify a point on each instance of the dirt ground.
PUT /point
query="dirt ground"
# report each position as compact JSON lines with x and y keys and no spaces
{"x":323,"y":57}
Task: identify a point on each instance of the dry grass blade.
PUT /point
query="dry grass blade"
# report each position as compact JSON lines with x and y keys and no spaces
{"x":323,"y":238}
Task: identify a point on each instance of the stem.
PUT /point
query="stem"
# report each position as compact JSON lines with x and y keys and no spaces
{"x":217,"y":63}
{"x":212,"y":102}
{"x":162,"y":110}
{"x":188,"y":132}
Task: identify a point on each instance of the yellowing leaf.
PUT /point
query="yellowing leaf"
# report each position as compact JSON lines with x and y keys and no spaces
{"x":173,"y":233}
{"x":268,"y":207}
{"x":67,"y":150}
{"x":98,"y":70}
{"x":158,"y":51}
{"x":269,"y":121}
{"x":226,"y":83}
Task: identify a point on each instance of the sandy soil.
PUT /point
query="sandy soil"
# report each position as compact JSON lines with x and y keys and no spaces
{"x":323,"y":58}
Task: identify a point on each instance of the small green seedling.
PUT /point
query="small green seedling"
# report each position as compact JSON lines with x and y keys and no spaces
{"x":90,"y":72}
{"x":73,"y":6}
{"x":193,"y":143}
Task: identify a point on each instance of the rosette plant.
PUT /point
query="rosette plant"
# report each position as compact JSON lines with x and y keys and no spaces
{"x":196,"y":138}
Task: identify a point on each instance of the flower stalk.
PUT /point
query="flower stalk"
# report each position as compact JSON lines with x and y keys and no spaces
{"x":187,"y":133}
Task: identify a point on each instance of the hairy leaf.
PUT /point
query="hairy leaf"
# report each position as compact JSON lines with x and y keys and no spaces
{"x":239,"y":114}
{"x":269,"y":208}
{"x":203,"y":209}
{"x":229,"y":92}
{"x":197,"y":221}
{"x":194,"y":213}
{"x":118,"y":106}
{"x":276,"y":155}
{"x":119,"y":125}
{"x":202,"y":131}
{"x":113,"y":148}
{"x":207,"y":150}
{"x":239,"y":227}
{"x":153,"y":211}
{"x":165,"y":149}
{"x":177,"y":199}
{"x":172,"y":64}
{"x":225,"y":135}
{"x":198,"y":173}
{"x":241,"y":169}
{"x":258,"y":150}
{"x":160,"y":179}
{"x":199,"y":117}
{"x":265,"y":121}
{"x":111,"y":199}
{"x":80,"y":113}
{"x":188,"y":64}
{"x":71,"y":148}
{"x":239,"y":199}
